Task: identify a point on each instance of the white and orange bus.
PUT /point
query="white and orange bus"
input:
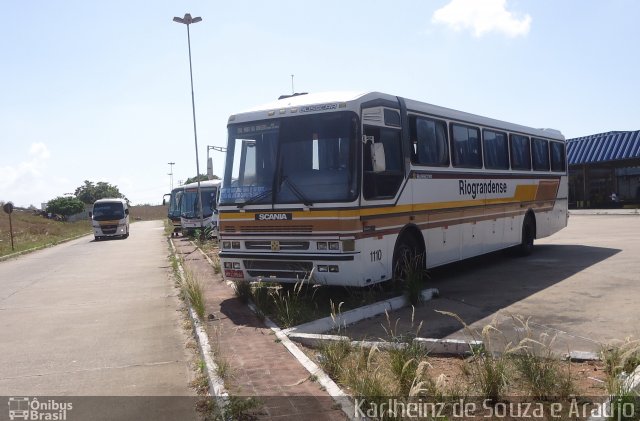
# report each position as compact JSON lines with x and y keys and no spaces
{"x":344,"y":185}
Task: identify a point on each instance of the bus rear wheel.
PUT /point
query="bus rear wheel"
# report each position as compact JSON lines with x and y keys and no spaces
{"x":528,"y":235}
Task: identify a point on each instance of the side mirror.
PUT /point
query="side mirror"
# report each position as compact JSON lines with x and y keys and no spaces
{"x":378,"y":160}
{"x":164,"y":202}
{"x":90,"y":215}
{"x":126,"y":211}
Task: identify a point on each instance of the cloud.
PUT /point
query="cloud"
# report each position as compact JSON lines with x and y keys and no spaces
{"x":19,"y":181}
{"x":482,"y":17}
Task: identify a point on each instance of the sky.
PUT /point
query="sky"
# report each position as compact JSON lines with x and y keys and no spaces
{"x":100,"y":91}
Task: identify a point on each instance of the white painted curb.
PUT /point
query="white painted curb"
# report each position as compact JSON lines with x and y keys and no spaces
{"x":216,"y":384}
{"x":454,"y":347}
{"x":353,"y":316}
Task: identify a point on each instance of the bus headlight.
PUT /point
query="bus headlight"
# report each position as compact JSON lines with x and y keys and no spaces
{"x":322,"y":245}
{"x":235,"y":244}
{"x":226,"y":244}
{"x":334,"y":245}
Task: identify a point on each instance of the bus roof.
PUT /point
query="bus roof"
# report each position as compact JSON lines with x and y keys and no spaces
{"x":110,"y":200}
{"x":349,"y":100}
{"x":203,"y":184}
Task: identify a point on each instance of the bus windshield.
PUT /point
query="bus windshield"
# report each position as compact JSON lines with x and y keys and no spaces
{"x":301,"y":159}
{"x":108,"y":211}
{"x":189,"y":202}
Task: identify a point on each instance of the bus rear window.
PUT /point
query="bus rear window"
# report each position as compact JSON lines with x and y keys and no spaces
{"x":557,"y":157}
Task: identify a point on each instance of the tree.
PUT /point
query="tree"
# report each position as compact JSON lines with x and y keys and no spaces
{"x":89,"y":192}
{"x":65,"y":205}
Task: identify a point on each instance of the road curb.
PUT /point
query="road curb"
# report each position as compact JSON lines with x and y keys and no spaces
{"x":452,"y":347}
{"x":216,"y":384}
{"x":358,"y":314}
{"x":31,"y":250}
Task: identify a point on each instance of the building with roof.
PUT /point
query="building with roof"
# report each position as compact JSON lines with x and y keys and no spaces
{"x":604,"y":170}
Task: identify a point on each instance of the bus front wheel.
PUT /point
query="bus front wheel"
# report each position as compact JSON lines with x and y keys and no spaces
{"x":408,"y":259}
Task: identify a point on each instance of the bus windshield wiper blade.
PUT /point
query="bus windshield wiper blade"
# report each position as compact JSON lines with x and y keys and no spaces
{"x":255,"y":198}
{"x":296,"y":191}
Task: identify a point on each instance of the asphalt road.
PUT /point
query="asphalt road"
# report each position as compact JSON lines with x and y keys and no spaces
{"x":93,"y":319}
{"x":581,"y":287}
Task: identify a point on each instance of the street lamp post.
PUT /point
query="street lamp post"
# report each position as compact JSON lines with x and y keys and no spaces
{"x":171,"y":164}
{"x":215,"y":148}
{"x":188,"y":20}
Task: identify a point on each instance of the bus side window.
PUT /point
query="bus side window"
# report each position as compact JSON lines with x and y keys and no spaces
{"x":540,"y":154}
{"x":496,"y":151}
{"x":466,"y":150}
{"x":520,"y":154}
{"x":430,"y":141}
{"x":557,"y":157}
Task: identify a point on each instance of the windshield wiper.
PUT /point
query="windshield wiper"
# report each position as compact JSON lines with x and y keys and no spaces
{"x":254,"y":199}
{"x":296,"y":190}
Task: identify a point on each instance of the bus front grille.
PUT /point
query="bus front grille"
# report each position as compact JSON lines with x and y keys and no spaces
{"x":284,"y":245}
{"x":108,"y":229}
{"x":276,"y":228}
{"x":278,"y":269}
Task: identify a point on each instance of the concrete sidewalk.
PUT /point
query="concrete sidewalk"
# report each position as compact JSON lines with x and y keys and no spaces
{"x":260,"y":366}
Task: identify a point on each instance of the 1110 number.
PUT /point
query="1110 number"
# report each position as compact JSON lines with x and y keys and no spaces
{"x":376,"y":255}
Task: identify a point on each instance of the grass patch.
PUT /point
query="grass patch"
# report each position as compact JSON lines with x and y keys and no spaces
{"x":148,"y":213}
{"x":30,"y":231}
{"x":621,"y":359}
{"x":192,"y":289}
{"x":289,"y":305}
{"x":413,"y":277}
{"x":541,"y":370}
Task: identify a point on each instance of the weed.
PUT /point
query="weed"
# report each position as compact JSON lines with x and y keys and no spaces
{"x":237,"y":408}
{"x":200,"y":383}
{"x":289,"y":306}
{"x":365,"y":378}
{"x":223,"y":367}
{"x":488,"y":371}
{"x":406,"y":355}
{"x":620,"y":361}
{"x":539,"y":366}
{"x":412,"y":281}
{"x":333,"y":355}
{"x":193,"y":290}
{"x":243,"y":291}
{"x":217,"y":268}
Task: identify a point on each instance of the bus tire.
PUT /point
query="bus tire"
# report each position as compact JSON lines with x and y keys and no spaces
{"x":528,"y":235}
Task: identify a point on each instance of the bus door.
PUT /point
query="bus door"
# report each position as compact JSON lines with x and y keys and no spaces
{"x":383,"y":174}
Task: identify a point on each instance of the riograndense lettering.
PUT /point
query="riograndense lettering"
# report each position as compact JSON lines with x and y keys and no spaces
{"x":274,"y":216}
{"x":474,"y":189}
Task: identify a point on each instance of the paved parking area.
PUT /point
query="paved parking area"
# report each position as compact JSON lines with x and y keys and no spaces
{"x":581,"y":285}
